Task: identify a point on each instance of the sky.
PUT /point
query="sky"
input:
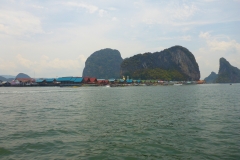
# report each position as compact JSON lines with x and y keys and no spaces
{"x":53,"y":38}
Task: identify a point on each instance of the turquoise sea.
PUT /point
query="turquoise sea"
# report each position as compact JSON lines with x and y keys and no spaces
{"x":143,"y":122}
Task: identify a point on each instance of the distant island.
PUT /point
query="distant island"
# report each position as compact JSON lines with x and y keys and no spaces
{"x":226,"y":74}
{"x":211,"y":78}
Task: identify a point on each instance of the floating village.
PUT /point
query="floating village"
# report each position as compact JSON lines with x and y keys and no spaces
{"x":89,"y":81}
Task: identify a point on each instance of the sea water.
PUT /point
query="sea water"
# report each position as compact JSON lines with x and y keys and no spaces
{"x":142,"y":122}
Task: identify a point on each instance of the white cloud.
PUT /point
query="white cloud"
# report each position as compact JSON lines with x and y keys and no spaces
{"x":88,"y":7}
{"x":19,"y":23}
{"x":224,"y":45}
{"x":102,"y":12}
{"x":24,"y":62}
{"x":60,"y":63}
{"x":210,"y":0}
{"x":112,"y":9}
{"x":215,"y":44}
{"x":7,"y":66}
{"x":170,"y":14}
{"x":204,"y":35}
{"x":184,"y":38}
{"x":39,"y":7}
{"x":82,"y":58}
{"x":114,"y":19}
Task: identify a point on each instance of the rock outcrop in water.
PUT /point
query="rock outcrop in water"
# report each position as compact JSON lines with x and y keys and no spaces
{"x":227,"y":73}
{"x":104,"y":63}
{"x":175,"y":63}
{"x":211,"y":78}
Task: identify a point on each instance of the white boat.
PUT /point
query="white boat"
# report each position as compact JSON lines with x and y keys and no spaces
{"x":177,"y":84}
{"x":108,"y":85}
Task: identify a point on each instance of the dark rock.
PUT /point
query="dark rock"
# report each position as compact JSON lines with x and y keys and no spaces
{"x":178,"y":61}
{"x":104,"y":64}
{"x":211,"y":78}
{"x":227,"y":73}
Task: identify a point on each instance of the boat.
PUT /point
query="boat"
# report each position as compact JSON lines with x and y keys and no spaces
{"x":177,"y":84}
{"x":189,"y":82}
{"x":108,"y":85}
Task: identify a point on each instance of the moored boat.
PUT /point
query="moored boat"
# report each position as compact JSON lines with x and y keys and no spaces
{"x":177,"y":84}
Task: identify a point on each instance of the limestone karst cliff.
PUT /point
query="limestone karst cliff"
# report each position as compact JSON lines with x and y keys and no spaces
{"x":175,"y":63}
{"x":227,"y":73}
{"x":104,"y":63}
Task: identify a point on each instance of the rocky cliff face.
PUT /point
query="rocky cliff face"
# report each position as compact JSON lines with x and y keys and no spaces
{"x":104,"y":64}
{"x":227,"y":73}
{"x":177,"y":59}
{"x":211,"y":78}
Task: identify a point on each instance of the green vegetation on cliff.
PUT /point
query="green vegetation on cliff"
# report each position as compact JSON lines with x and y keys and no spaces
{"x":158,"y":73}
{"x":104,"y":63}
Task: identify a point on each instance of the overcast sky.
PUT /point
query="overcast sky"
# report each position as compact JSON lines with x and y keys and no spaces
{"x":53,"y":38}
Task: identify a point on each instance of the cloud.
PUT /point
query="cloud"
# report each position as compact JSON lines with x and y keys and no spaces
{"x":169,"y":14}
{"x":7,"y":66}
{"x":210,"y":0}
{"x":19,"y":23}
{"x":102,"y":12}
{"x":82,"y":58}
{"x":112,"y":9}
{"x":184,"y":38}
{"x":39,"y":7}
{"x":215,"y":44}
{"x":25,"y":62}
{"x":88,"y":7}
{"x":205,"y":35}
{"x":114,"y":19}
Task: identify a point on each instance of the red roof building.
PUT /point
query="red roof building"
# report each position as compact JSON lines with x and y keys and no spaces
{"x":86,"y":79}
{"x":26,"y":80}
{"x":92,"y":80}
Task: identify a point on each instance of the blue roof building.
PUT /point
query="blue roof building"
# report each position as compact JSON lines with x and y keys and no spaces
{"x":78,"y":80}
{"x":64,"y":79}
{"x":129,"y":81}
{"x":70,"y":80}
{"x":40,"y":80}
{"x":50,"y":80}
